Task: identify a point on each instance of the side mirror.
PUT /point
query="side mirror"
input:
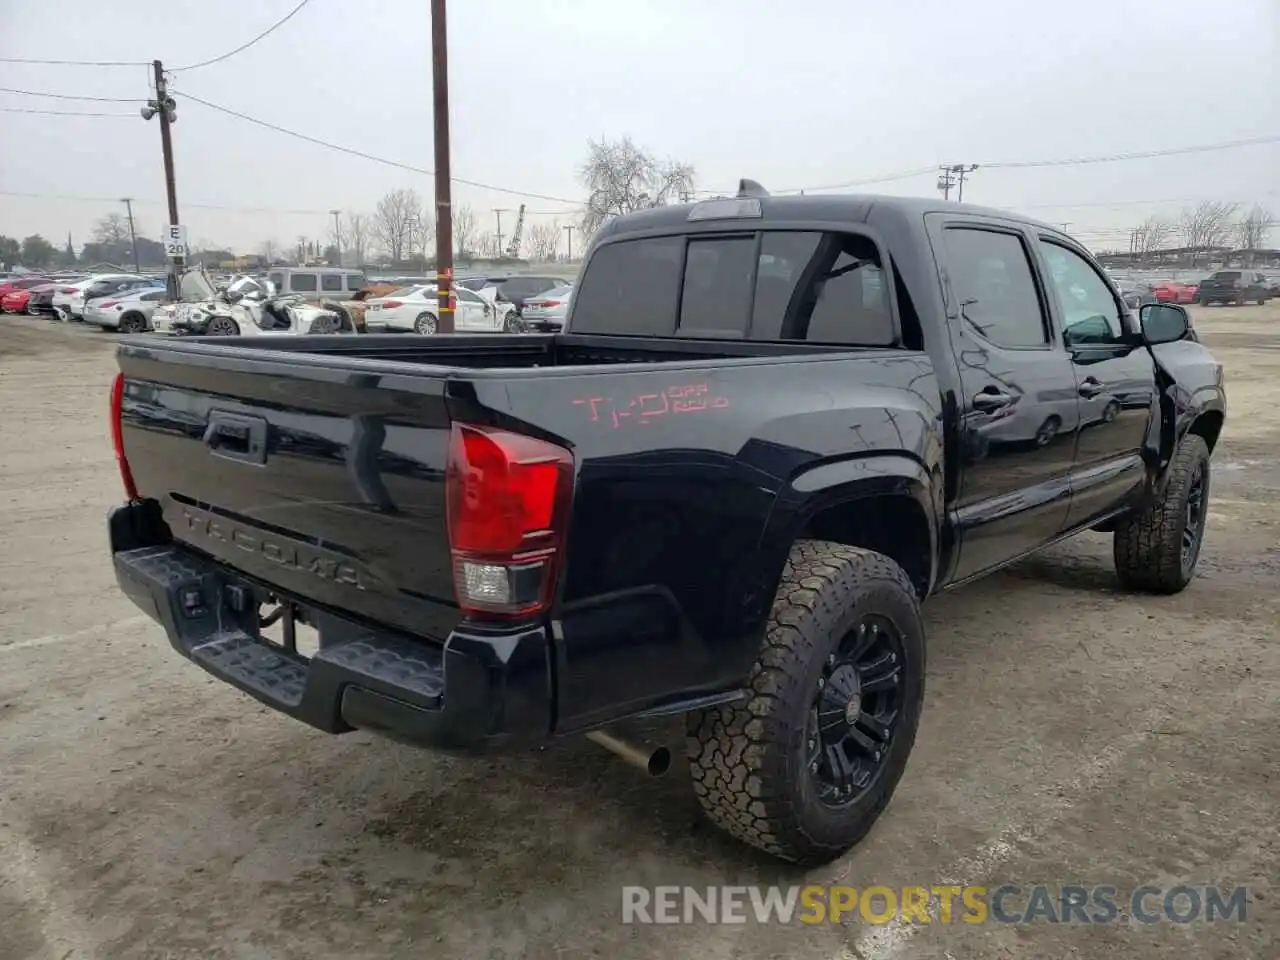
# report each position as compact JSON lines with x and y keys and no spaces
{"x":1163,"y":322}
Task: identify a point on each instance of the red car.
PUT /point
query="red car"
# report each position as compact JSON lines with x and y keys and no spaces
{"x":1175,"y":291}
{"x":18,"y":285}
{"x":14,"y":301}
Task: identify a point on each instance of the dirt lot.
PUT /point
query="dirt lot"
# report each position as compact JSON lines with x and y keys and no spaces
{"x":1072,"y":734}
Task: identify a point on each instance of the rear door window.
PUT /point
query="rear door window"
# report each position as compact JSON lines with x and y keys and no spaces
{"x":991,"y":276}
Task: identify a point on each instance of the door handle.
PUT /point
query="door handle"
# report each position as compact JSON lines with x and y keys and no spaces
{"x":986,"y":402}
{"x":1090,"y":388}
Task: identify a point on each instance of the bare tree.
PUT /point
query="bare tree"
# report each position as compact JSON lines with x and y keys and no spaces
{"x":421,"y":232}
{"x":393,"y":221}
{"x":621,"y":178}
{"x":111,"y":230}
{"x":487,"y":245}
{"x":464,"y":230}
{"x":1253,"y":229}
{"x":269,"y":250}
{"x":356,"y":236}
{"x":1207,"y":224}
{"x":544,"y":241}
{"x":1153,"y":234}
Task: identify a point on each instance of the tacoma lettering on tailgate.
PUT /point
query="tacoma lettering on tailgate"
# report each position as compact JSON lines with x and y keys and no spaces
{"x":317,"y":562}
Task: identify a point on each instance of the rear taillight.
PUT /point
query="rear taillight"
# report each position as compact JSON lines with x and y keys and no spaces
{"x":391,"y":304}
{"x":107,"y":303}
{"x":117,"y":436}
{"x":68,"y":290}
{"x":549,"y":303}
{"x":507,"y":502}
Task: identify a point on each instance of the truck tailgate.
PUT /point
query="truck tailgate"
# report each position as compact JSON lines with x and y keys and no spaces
{"x":322,"y":477}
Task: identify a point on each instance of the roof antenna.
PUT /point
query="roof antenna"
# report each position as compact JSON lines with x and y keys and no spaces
{"x":749,"y":188}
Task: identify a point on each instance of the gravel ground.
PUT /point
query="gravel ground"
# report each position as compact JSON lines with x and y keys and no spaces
{"x":1073,"y":734}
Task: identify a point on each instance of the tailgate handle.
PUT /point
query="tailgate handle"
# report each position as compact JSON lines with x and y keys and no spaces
{"x":237,"y":437}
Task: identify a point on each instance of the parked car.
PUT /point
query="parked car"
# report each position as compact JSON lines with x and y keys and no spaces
{"x":512,"y":289}
{"x":721,"y":492}
{"x":1136,"y":293}
{"x":1235,"y":287}
{"x":249,"y":307}
{"x":19,"y":284}
{"x":129,"y":312}
{"x":40,"y":301}
{"x":415,"y":309}
{"x":69,"y":300}
{"x":546,"y":312}
{"x":1174,"y":291}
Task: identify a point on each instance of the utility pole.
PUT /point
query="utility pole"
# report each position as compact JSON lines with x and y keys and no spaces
{"x":133,"y":237}
{"x":953,"y":175}
{"x":164,"y":107}
{"x":499,"y":211}
{"x":444,"y":203}
{"x":569,"y":231}
{"x":1064,"y":224}
{"x":945,"y":182}
{"x":337,"y":236}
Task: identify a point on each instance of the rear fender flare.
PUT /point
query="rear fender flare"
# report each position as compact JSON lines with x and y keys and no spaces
{"x":844,"y":482}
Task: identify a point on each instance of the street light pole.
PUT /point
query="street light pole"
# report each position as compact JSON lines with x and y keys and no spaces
{"x":337,"y":236}
{"x":133,"y":237}
{"x":569,"y":230}
{"x":444,"y":203}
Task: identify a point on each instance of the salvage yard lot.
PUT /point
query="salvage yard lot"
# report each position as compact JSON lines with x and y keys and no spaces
{"x":1072,"y":733}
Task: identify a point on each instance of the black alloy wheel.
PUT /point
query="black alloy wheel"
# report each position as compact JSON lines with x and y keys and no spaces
{"x":855,"y":708}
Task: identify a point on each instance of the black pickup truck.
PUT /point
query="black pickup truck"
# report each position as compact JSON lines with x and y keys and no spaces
{"x":773,"y":426}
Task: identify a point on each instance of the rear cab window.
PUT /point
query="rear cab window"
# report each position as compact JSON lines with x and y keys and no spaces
{"x":826,"y":288}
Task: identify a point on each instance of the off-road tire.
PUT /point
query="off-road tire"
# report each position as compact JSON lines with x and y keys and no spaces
{"x":747,"y":757}
{"x":1148,"y":542}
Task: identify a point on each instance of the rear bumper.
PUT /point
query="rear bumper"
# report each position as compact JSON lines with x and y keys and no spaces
{"x":475,"y":690}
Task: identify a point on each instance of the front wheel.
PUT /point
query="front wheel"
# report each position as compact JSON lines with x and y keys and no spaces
{"x":512,"y":323}
{"x":425,"y":324}
{"x":806,"y":763}
{"x":1156,"y":547}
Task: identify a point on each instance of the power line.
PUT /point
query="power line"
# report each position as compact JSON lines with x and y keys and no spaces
{"x":1139,"y":155}
{"x":76,"y":63}
{"x":64,"y":113}
{"x":67,"y":96}
{"x":245,"y":46}
{"x":368,"y":156}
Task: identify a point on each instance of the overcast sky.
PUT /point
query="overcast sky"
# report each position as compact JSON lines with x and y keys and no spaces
{"x":797,"y":93}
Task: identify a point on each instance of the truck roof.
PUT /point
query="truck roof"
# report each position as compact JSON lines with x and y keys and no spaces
{"x":836,"y":207}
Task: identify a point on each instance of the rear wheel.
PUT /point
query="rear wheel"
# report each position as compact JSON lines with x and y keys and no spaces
{"x":425,"y":324}
{"x":221,"y":326}
{"x":512,"y":323}
{"x":806,"y":763}
{"x":1048,"y":430}
{"x":133,"y":323}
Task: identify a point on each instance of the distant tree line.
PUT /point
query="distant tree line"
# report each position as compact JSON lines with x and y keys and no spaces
{"x":1209,"y":225}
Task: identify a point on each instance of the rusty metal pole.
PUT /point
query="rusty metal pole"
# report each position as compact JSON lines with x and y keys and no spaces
{"x":444,"y":203}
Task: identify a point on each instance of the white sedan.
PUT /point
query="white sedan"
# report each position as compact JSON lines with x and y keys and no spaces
{"x":546,"y":312}
{"x":413,"y":310}
{"x":68,"y":302}
{"x":130,"y":312}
